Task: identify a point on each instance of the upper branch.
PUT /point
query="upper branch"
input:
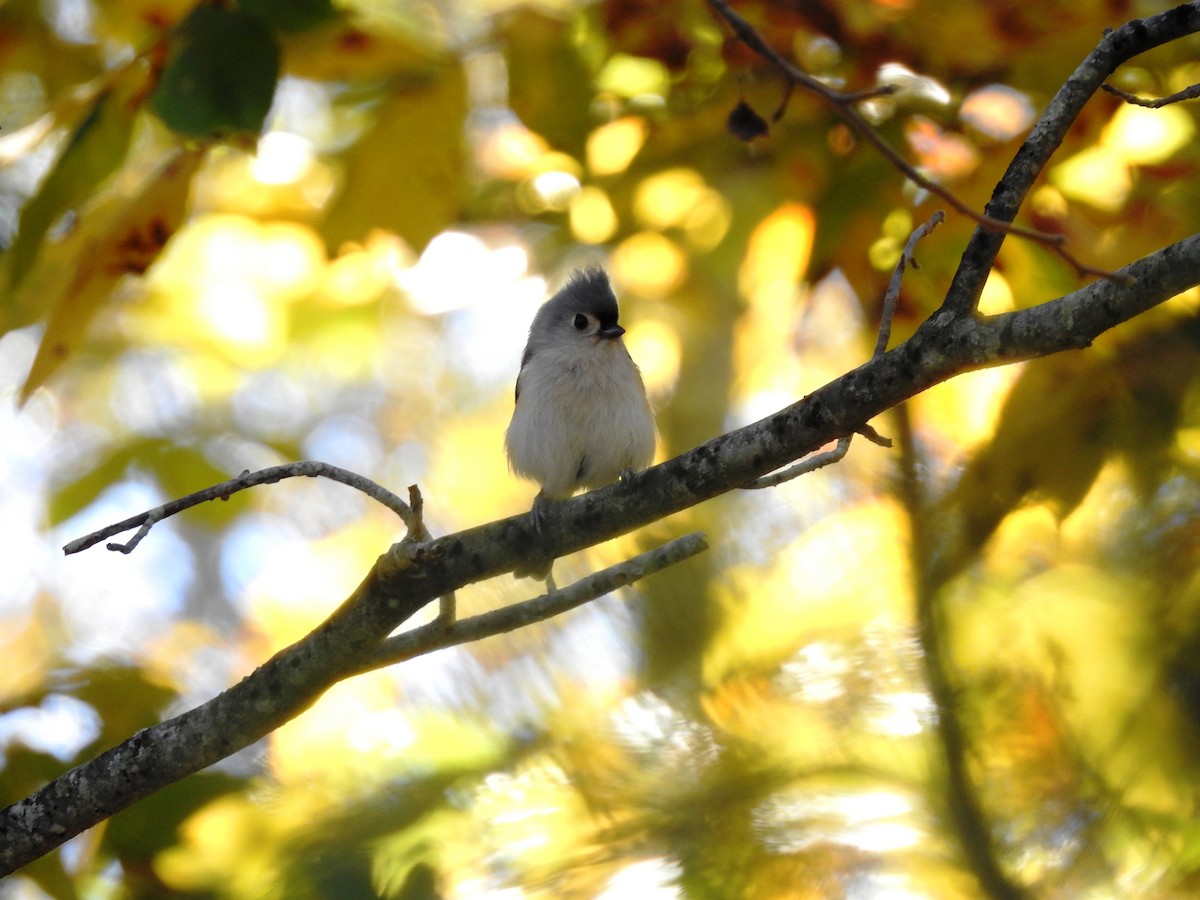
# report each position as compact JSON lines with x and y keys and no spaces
{"x":1114,"y":49}
{"x":846,"y":106}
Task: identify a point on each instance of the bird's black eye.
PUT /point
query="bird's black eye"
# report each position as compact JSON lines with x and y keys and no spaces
{"x":580,"y":322}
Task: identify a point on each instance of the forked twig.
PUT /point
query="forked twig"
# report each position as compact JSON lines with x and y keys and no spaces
{"x":307,"y":468}
{"x":438,"y":634}
{"x":411,"y":513}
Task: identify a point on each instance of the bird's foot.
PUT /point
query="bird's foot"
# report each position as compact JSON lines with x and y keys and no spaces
{"x":538,"y":569}
{"x":541,"y":505}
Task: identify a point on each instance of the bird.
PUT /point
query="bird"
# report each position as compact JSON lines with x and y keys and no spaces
{"x":581,"y":417}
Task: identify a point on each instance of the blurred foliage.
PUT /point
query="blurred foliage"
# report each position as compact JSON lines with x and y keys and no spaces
{"x":219,"y":75}
{"x":240,"y":233}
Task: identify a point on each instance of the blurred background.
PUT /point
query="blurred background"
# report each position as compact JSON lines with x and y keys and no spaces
{"x":251,"y":232}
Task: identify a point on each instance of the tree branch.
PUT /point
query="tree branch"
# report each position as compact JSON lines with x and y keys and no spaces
{"x":410,"y":575}
{"x":961,"y":803}
{"x":1188,"y":93}
{"x":307,"y":468}
{"x":436,"y":635}
{"x":414,"y":572}
{"x":891,"y":297}
{"x":1117,"y":47}
{"x":845,"y":105}
{"x":1114,"y":49}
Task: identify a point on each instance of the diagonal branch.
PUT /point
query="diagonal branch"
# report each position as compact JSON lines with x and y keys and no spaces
{"x":996,"y":221}
{"x":436,"y":635}
{"x":1114,"y":49}
{"x":411,"y":575}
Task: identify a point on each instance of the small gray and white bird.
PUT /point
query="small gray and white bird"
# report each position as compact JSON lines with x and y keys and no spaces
{"x":582,"y":418}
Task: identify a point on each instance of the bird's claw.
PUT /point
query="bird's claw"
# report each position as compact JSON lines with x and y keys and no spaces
{"x":541,"y":504}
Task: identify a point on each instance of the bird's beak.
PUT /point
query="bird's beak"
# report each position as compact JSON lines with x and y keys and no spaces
{"x":610,"y":332}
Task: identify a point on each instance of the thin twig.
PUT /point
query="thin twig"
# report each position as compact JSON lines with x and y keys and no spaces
{"x":844,"y":104}
{"x":1188,"y":93}
{"x":874,"y":436}
{"x":789,"y":87}
{"x":892,"y":295}
{"x":226,"y":489}
{"x":887,"y":314}
{"x":437,"y":635}
{"x":418,"y":532}
{"x":806,"y":465}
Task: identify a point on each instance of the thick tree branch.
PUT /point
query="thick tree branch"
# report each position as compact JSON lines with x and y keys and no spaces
{"x":411,"y":575}
{"x":415,"y":572}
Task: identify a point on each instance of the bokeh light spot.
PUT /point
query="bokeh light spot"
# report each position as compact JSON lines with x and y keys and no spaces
{"x":612,"y":147}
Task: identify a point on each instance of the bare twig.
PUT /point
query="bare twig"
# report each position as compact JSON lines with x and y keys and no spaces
{"x":888,"y":312}
{"x":892,"y":295}
{"x":873,"y":436}
{"x":436,"y":635}
{"x":844,"y":104}
{"x":1188,"y":93}
{"x":418,"y":532}
{"x":226,"y":489}
{"x":806,"y":465}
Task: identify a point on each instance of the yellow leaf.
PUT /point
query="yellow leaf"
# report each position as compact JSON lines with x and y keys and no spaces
{"x":1050,"y":442}
{"x":96,"y":148}
{"x":120,"y":233}
{"x":408,"y":174}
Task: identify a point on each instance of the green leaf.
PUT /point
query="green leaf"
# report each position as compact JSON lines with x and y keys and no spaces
{"x":95,"y":149}
{"x":220,"y":75}
{"x":549,"y":83}
{"x":137,"y":834}
{"x":290,"y":15}
{"x":125,"y":697}
{"x":79,"y":494}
